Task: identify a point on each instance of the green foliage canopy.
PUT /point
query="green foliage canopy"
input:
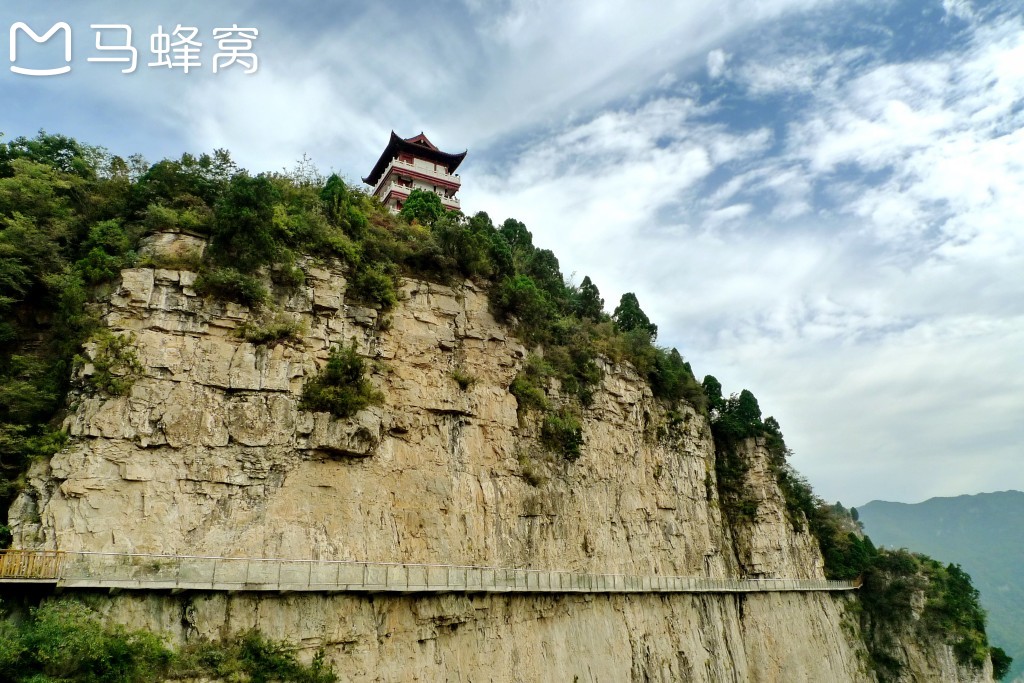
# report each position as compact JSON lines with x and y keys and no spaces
{"x":628,"y":316}
{"x":422,"y":206}
{"x":341,"y":387}
{"x":66,"y":641}
{"x":588,"y":303}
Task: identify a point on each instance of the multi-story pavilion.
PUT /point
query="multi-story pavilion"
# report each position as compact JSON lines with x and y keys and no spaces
{"x":408,"y":164}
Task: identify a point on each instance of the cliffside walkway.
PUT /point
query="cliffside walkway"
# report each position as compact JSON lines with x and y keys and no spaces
{"x":184,"y":573}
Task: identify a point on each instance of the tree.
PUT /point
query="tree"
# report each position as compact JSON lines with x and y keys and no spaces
{"x":422,"y":206}
{"x":629,"y":316}
{"x":544,"y":269}
{"x":57,"y":151}
{"x":515,"y":233}
{"x":169,"y":181}
{"x":464,"y":244}
{"x":519,"y":296}
{"x":713,"y":390}
{"x":671,"y":378}
{"x":243,"y":234}
{"x":1000,"y":663}
{"x":589,"y":303}
{"x":341,"y":388}
{"x":746,"y":410}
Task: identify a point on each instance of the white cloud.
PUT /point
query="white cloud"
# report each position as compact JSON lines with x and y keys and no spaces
{"x":960,"y":9}
{"x":805,"y":72}
{"x":862,"y":277}
{"x":716,"y":63}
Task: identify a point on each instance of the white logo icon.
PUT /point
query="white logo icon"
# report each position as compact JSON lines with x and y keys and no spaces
{"x":59,"y":26}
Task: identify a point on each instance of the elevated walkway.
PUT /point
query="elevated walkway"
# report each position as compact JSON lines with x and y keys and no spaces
{"x":135,"y":571}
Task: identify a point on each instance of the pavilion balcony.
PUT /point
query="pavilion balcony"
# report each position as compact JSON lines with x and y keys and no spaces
{"x":424,"y":170}
{"x":402,"y":192}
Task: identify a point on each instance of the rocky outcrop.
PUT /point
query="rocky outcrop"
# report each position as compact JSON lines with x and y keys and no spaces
{"x":764,"y":546}
{"x":211,"y":453}
{"x":610,"y":638}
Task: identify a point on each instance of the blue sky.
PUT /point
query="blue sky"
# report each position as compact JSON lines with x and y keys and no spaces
{"x":819,"y":201}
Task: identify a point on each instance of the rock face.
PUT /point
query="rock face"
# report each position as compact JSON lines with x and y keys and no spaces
{"x":210,"y":453}
{"x":761,"y":549}
{"x":768,"y":637}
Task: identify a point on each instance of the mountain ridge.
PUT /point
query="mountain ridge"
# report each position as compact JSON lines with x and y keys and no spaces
{"x":968,"y":530}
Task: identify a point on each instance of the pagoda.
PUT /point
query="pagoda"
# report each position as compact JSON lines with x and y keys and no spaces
{"x":408,"y":164}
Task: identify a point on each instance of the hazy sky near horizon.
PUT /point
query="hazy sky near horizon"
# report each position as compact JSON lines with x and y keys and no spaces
{"x":819,"y":201}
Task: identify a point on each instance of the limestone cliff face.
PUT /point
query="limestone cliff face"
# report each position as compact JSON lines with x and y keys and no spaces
{"x":777,"y":637}
{"x":769,"y":545}
{"x":211,"y":454}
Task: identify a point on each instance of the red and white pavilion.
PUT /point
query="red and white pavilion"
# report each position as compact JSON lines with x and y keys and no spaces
{"x":408,"y":164}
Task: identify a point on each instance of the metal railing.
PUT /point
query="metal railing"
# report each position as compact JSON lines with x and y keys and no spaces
{"x":183,"y":572}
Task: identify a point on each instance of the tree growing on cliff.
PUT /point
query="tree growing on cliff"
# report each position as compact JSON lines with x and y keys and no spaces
{"x":422,"y":206}
{"x":243,"y":233}
{"x":66,"y":641}
{"x":341,"y":387}
{"x":588,"y":303}
{"x":713,"y":392}
{"x":1001,"y":663}
{"x":628,"y":316}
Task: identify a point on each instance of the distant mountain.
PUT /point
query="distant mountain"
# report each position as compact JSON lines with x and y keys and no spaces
{"x":984,"y":534}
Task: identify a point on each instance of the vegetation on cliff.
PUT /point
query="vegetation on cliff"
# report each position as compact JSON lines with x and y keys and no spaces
{"x":341,"y":388}
{"x":72,"y":216}
{"x":985,"y":532}
{"x":900,"y":590}
{"x":905,"y":592}
{"x":66,"y":641}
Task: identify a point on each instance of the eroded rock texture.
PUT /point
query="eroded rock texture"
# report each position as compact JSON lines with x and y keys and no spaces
{"x":210,"y":454}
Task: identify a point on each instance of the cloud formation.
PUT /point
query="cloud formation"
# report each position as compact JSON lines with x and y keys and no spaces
{"x":716,"y":63}
{"x":858,"y":268}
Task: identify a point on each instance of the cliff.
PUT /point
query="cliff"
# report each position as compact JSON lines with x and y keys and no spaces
{"x":210,"y":453}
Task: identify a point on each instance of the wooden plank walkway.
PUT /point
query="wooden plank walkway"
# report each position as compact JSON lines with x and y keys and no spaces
{"x":136,"y":571}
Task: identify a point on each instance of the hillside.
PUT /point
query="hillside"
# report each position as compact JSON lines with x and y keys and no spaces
{"x":200,"y":361}
{"x":985,"y":534}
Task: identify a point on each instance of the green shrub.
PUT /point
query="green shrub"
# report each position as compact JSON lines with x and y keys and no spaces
{"x":252,"y":657}
{"x":115,"y":363}
{"x":422,"y":206}
{"x":463,"y":378}
{"x":671,"y":379}
{"x":189,"y":262}
{"x":562,"y":432}
{"x":232,"y":285}
{"x":528,"y":395}
{"x":189,"y":213}
{"x":529,"y":385}
{"x":281,"y":327}
{"x":1001,"y":663}
{"x":520,"y":297}
{"x":244,"y":231}
{"x":340,"y":388}
{"x":373,"y":286}
{"x":288,"y":275}
{"x":65,"y":641}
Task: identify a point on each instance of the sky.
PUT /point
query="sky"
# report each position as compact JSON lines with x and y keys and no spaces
{"x":819,"y":201}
